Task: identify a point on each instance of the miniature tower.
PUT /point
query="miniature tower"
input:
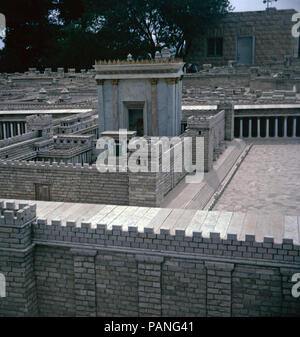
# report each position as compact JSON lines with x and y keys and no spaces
{"x":16,"y":260}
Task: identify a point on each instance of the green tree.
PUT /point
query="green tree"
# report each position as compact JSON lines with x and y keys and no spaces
{"x":172,"y":23}
{"x":30,"y":37}
{"x":73,"y":33}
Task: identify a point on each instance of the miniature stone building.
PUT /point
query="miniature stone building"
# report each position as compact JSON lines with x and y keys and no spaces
{"x":256,"y":37}
{"x":142,"y":96}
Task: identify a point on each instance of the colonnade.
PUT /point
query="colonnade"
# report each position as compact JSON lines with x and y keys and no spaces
{"x":272,"y":126}
{"x":12,"y":129}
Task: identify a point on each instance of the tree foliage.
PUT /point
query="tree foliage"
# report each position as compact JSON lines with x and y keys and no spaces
{"x":73,"y":33}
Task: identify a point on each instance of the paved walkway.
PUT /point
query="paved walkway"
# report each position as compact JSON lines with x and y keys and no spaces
{"x":197,"y":195}
{"x":162,"y":219}
{"x":268,"y":180}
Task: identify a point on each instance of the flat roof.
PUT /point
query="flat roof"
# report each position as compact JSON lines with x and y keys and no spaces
{"x":199,"y":107}
{"x":267,"y":106}
{"x":54,"y":111}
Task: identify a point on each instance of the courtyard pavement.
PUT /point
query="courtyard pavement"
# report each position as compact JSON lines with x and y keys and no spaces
{"x":268,"y":180}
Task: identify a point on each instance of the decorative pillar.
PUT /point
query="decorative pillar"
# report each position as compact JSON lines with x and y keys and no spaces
{"x":258,"y":127}
{"x":268,"y":128}
{"x":115,"y":84}
{"x":85,"y":282}
{"x":171,"y":108}
{"x":4,"y":130}
{"x":101,"y":113}
{"x":250,"y":128}
{"x":19,"y":129}
{"x":154,"y":115}
{"x":11,"y":129}
{"x":149,"y":285}
{"x":219,"y":292}
{"x":276,"y":127}
{"x":285,"y":127}
{"x":295,"y":127}
{"x":179,"y":104}
{"x":241,"y":128}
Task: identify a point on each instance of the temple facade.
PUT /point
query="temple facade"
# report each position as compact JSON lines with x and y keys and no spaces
{"x":141,"y":96}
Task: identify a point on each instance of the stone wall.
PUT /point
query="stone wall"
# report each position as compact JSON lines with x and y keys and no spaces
{"x":55,"y":270}
{"x":85,"y":184}
{"x":20,"y":147}
{"x":18,"y":139}
{"x":215,"y":80}
{"x":272,"y":31}
{"x":68,"y":182}
{"x":212,"y":129}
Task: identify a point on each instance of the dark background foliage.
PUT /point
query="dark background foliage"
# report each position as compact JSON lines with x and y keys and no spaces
{"x":74,"y":33}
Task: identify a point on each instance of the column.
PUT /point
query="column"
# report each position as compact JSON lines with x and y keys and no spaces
{"x":171,"y":121}
{"x":179,"y":103}
{"x":268,"y":128}
{"x":11,"y":129}
{"x":115,"y":84}
{"x":4,"y":130}
{"x":241,"y":128}
{"x":295,"y":127}
{"x":285,"y":127}
{"x":19,"y":129}
{"x":85,"y":282}
{"x":250,"y":128}
{"x":219,"y":292}
{"x":101,"y":112}
{"x":258,"y":127}
{"x":154,"y":107}
{"x":276,"y":127}
{"x":25,"y":127}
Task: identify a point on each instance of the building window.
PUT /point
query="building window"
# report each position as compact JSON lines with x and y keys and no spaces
{"x":215,"y":46}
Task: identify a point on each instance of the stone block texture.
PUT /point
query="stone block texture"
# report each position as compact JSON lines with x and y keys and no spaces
{"x":99,"y":271}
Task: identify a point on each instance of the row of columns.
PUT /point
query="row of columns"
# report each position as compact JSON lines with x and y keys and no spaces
{"x":12,"y":129}
{"x":83,"y":158}
{"x":285,"y":128}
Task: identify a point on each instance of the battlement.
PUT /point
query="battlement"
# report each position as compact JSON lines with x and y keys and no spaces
{"x":178,"y":248}
{"x":46,"y":164}
{"x":161,"y":233}
{"x":14,"y":215}
{"x":205,"y":121}
{"x":209,"y":233}
{"x":18,"y":139}
{"x":132,"y":62}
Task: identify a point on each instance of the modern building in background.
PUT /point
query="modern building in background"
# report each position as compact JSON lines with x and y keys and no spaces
{"x":249,"y":38}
